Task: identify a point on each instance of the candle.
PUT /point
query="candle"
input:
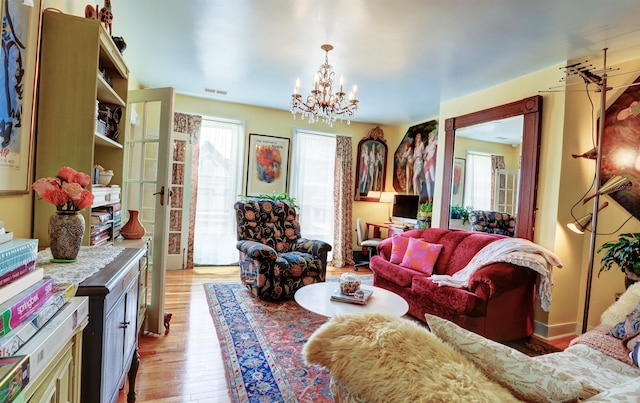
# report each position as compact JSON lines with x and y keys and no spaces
{"x":297,"y":87}
{"x":341,"y":82}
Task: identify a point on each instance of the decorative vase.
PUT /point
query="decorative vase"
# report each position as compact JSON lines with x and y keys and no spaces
{"x":133,"y":229}
{"x":66,"y":229}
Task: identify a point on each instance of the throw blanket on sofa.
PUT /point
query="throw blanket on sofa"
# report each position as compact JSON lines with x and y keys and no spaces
{"x":517,"y":251}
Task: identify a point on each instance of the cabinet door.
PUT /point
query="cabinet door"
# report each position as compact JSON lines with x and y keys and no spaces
{"x":130,"y":325}
{"x":113,"y":349}
{"x":58,"y":385}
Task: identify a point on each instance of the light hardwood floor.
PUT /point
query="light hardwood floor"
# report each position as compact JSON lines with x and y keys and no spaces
{"x":186,"y":365}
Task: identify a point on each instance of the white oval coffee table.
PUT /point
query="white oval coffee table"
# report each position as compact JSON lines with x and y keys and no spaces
{"x":317,"y":298}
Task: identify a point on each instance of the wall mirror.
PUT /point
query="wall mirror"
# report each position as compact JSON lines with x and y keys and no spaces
{"x":530,"y":109}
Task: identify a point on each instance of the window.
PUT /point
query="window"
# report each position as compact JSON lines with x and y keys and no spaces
{"x":478,"y":189}
{"x":220,"y":166}
{"x":312,"y":167}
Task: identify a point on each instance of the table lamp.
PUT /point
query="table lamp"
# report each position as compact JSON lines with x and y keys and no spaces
{"x":388,"y":197}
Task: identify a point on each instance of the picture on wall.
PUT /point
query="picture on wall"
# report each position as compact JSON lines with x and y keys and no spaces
{"x":371,"y":166}
{"x":267,"y":165}
{"x":457,"y":189}
{"x":19,"y":55}
{"x":414,"y":163}
{"x":620,"y":150}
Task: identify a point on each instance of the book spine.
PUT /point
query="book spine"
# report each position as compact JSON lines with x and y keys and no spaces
{"x":11,"y":343}
{"x":15,"y":377}
{"x":17,"y":252}
{"x":17,"y":273}
{"x":17,"y":309}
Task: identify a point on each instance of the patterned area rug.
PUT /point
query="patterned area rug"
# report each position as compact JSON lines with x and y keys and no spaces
{"x":262,"y":342}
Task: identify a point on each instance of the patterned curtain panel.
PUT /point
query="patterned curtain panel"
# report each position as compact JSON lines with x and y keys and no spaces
{"x":342,"y":201}
{"x":191,"y":124}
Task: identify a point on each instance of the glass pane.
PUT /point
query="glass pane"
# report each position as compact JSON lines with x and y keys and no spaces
{"x":134,"y":169}
{"x":152,"y":120}
{"x":176,"y":199}
{"x":179,"y":150}
{"x":175,"y":220}
{"x":177,"y":174}
{"x":150,"y":161}
{"x":174,"y":244}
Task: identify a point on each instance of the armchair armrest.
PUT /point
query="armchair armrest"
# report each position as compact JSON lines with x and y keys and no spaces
{"x":257,"y":250}
{"x":494,"y":279}
{"x":313,"y":246}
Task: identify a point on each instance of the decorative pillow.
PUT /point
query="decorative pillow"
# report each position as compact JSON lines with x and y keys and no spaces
{"x":398,"y":248}
{"x":617,"y":311}
{"x":634,"y":355}
{"x":527,"y":378}
{"x":421,"y":255}
{"x":629,"y":326}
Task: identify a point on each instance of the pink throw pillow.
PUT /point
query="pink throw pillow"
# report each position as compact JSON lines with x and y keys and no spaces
{"x":398,"y":248}
{"x":421,"y":255}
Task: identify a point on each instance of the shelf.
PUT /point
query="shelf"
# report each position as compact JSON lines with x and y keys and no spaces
{"x":107,"y":95}
{"x":104,"y":141}
{"x":110,"y":56}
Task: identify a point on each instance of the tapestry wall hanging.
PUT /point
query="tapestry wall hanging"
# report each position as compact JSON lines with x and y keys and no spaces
{"x":621,"y":147}
{"x":414,"y":163}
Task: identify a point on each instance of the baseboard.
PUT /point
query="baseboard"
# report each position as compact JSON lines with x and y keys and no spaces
{"x":547,"y":332}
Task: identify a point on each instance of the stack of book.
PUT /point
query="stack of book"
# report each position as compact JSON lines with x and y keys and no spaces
{"x":101,"y":226}
{"x":27,"y":299}
{"x":117,"y":219}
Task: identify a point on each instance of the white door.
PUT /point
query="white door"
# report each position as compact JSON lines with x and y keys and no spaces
{"x":179,"y":207}
{"x":506,"y":191}
{"x":146,"y":184}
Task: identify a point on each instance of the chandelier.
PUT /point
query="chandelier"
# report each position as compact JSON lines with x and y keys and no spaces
{"x":322,"y":104}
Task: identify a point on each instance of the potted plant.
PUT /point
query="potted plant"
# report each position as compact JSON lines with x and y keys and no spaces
{"x":625,"y":253}
{"x":459,"y":212}
{"x":424,"y":214}
{"x":275,"y":197}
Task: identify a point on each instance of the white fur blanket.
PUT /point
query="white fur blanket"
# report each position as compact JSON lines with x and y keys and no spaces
{"x":517,"y":251}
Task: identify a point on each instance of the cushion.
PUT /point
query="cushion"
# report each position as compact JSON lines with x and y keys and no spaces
{"x":627,"y":302}
{"x":398,"y":248}
{"x":634,"y":355}
{"x":421,"y":255}
{"x":627,"y":327}
{"x":527,"y":378}
{"x":382,"y":358}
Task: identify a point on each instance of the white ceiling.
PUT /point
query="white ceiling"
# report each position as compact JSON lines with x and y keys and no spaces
{"x":406,"y":56}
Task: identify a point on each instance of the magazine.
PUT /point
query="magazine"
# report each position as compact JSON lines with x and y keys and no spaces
{"x":338,"y":296}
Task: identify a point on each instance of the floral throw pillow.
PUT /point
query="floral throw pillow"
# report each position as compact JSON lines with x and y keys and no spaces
{"x":421,"y":255}
{"x":527,"y":378}
{"x":398,"y":248}
{"x":629,"y":326}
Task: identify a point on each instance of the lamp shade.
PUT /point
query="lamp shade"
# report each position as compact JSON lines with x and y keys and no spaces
{"x":614,"y":184}
{"x":579,"y":226}
{"x":387,"y":197}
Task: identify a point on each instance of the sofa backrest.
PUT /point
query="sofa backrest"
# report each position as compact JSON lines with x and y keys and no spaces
{"x":458,"y":246}
{"x":273,"y":223}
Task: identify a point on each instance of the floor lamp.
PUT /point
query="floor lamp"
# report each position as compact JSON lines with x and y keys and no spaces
{"x":614,"y":184}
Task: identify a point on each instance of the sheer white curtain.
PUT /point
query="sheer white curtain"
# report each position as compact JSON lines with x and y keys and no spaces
{"x":219,"y":184}
{"x":478,"y":188}
{"x":312,"y":167}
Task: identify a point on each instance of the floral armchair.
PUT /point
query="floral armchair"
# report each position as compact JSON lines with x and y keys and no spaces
{"x":493,"y":222}
{"x":274,"y":260}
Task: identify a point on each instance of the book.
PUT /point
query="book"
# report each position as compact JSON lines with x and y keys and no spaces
{"x":12,"y":342}
{"x":14,"y":376}
{"x":17,"y":252}
{"x":17,"y":309}
{"x":49,"y":340}
{"x":17,"y":272}
{"x":20,"y":284}
{"x":338,"y":296}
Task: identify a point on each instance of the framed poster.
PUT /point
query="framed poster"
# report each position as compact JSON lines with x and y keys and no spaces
{"x":457,"y":188}
{"x":267,"y":165}
{"x":19,"y":54}
{"x":371,"y":167}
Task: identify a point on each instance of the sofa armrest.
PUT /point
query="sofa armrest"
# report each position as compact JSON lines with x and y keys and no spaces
{"x":257,"y":250}
{"x":628,"y":391}
{"x":384,"y":248}
{"x":496,"y":278}
{"x":314,"y":247}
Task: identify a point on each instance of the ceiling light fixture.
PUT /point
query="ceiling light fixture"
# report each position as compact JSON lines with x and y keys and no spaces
{"x":322,"y":104}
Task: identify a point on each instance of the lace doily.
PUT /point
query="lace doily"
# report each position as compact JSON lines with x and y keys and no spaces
{"x":90,"y":260}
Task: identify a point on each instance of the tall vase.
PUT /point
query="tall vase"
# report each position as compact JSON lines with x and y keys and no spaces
{"x":133,"y":229}
{"x":66,"y":229}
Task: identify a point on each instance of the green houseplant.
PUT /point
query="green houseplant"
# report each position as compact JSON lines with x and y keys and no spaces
{"x":624,"y":253}
{"x":275,"y":197}
{"x":459,"y":212}
{"x":424,"y":211}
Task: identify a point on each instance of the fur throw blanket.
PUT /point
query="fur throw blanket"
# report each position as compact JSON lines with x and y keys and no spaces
{"x":518,"y":251}
{"x":383,"y":358}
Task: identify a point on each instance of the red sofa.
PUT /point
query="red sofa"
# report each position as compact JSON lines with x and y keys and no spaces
{"x":498,"y":303}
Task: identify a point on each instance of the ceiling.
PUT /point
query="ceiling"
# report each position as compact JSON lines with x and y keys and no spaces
{"x":406,"y":56}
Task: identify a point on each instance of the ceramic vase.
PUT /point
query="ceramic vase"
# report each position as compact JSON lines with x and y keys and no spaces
{"x":66,"y":229}
{"x":133,"y":229}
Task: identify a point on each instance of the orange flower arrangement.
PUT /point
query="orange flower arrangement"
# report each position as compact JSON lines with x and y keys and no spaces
{"x":66,"y":191}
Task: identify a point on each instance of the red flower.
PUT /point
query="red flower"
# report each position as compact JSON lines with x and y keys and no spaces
{"x":66,"y":192}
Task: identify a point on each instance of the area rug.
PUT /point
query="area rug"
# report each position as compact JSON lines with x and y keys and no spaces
{"x":262,"y":343}
{"x":532,"y":346}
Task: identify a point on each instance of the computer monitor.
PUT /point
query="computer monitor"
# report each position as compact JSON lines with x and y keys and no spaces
{"x":405,"y":209}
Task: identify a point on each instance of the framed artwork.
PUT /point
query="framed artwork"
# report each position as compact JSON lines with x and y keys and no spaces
{"x":414,"y":162}
{"x":457,"y":188}
{"x":371,"y":167}
{"x":267,"y":165}
{"x":19,"y":54}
